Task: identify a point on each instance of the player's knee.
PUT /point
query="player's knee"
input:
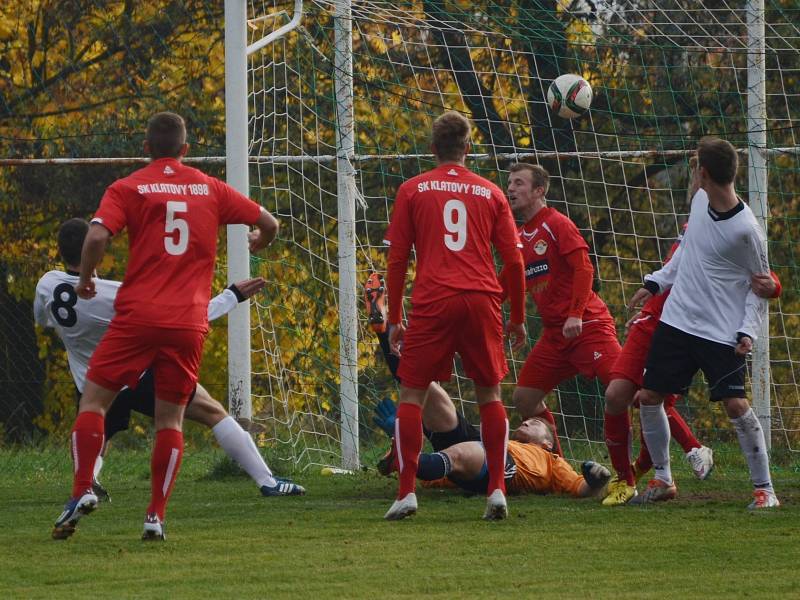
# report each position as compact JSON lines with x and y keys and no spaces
{"x":736,"y":407}
{"x":528,"y":402}
{"x":618,"y":397}
{"x":649,"y":398}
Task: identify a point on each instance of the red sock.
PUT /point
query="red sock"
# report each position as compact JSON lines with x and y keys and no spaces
{"x":408,"y":437}
{"x":164,"y":467}
{"x":643,"y":461}
{"x":494,"y":435}
{"x":680,"y":429}
{"x":548,"y":416}
{"x":618,"y":440}
{"x":87,"y":441}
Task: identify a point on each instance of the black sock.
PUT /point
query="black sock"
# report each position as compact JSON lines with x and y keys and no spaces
{"x":433,"y":466}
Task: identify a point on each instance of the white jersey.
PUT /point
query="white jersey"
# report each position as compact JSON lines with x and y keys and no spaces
{"x":82,"y":323}
{"x":710,"y":274}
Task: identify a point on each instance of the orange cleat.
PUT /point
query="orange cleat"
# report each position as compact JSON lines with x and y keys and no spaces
{"x":375,"y":297}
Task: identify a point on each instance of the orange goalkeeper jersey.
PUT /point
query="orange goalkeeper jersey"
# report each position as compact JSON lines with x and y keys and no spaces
{"x":541,"y":472}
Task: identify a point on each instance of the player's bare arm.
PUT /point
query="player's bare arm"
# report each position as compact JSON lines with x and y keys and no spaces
{"x":94,"y":247}
{"x":266,"y":231}
{"x":250,"y":287}
{"x":641,"y":296}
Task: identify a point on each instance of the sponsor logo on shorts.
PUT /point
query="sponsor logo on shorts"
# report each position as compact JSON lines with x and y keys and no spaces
{"x":735,"y":387}
{"x":540,"y":247}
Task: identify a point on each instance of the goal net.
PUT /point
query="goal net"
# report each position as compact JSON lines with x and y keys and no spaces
{"x":664,"y":74}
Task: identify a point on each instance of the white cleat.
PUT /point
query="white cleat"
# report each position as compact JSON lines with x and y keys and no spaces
{"x":763,"y":499}
{"x":701,"y":460}
{"x":496,"y":507}
{"x":405,"y":507}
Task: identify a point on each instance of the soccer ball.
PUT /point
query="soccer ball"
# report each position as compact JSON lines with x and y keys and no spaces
{"x":569,"y":96}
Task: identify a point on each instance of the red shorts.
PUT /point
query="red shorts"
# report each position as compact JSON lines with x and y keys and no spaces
{"x":633,"y":357}
{"x":470,"y":324}
{"x":555,"y":358}
{"x":126,"y":351}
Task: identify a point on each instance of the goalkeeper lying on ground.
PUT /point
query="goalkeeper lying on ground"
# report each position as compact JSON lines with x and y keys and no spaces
{"x":458,"y":455}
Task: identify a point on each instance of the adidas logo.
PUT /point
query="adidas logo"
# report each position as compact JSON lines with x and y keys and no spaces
{"x":597,"y":355}
{"x":452,"y":172}
{"x":168,"y":170}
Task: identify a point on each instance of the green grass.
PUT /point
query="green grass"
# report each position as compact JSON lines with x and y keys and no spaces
{"x":226,"y":541}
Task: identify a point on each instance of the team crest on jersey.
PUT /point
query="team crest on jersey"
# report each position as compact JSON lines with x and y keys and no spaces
{"x":540,"y":247}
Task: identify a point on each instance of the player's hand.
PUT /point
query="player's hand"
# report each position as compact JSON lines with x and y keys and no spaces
{"x":86,"y":289}
{"x":630,"y":321}
{"x":515,"y":333}
{"x":572,"y":327}
{"x":384,"y":416}
{"x":763,"y":285}
{"x":249,"y":287}
{"x":641,"y":296}
{"x":744,"y":347}
{"x":396,"y":334}
{"x":256,"y":240}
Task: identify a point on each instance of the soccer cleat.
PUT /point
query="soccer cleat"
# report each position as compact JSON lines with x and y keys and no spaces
{"x":375,"y":297}
{"x":702,"y":461}
{"x":283,"y":487}
{"x":74,"y":509}
{"x":595,"y":474}
{"x":100,"y":491}
{"x":763,"y":499}
{"x":388,"y":463}
{"x":496,"y":507}
{"x":619,"y":493}
{"x":400,"y":509}
{"x":656,"y":491}
{"x":153,"y":529}
{"x":638,"y":472}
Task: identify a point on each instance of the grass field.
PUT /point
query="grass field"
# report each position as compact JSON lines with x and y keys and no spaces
{"x":226,"y":541}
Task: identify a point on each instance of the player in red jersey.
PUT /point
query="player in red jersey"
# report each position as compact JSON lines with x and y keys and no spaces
{"x":172,"y":213}
{"x":579,"y":334}
{"x":452,"y":217}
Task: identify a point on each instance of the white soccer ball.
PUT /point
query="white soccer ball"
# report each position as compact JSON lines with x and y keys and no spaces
{"x":569,"y":96}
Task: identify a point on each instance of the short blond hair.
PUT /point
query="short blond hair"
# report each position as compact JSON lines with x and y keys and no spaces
{"x":539,"y":175}
{"x":451,"y":132}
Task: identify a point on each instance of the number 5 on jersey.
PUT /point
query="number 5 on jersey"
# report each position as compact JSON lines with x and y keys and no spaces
{"x":455,"y":221}
{"x":173,"y":224}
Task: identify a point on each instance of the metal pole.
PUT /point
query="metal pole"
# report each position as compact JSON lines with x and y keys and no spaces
{"x":757,"y":180}
{"x":236,"y":148}
{"x":345,"y":178}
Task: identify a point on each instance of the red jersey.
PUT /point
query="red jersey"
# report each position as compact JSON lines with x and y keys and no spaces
{"x":546,"y":240}
{"x":172,"y":213}
{"x":452,"y":217}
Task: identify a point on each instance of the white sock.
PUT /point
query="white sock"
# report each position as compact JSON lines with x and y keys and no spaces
{"x":655,"y":429}
{"x":238,"y":444}
{"x":751,"y":439}
{"x":98,"y":465}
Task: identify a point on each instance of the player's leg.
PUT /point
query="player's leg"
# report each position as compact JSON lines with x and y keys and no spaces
{"x":237,"y":443}
{"x":751,"y":440}
{"x":165,"y":462}
{"x":699,"y":457}
{"x":670,"y":368}
{"x":480,"y":345}
{"x":725,"y":373}
{"x":617,"y":424}
{"x":175,"y":367}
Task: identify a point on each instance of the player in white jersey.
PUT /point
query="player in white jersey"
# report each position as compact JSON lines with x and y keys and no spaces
{"x":81,"y":324}
{"x":709,"y":321}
